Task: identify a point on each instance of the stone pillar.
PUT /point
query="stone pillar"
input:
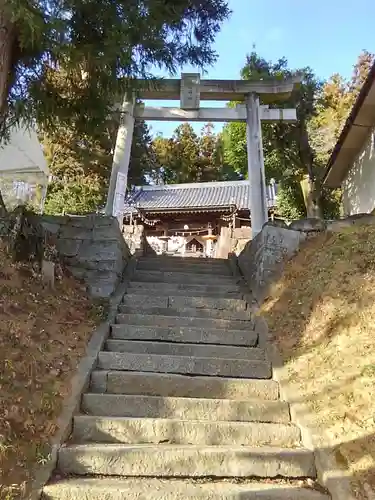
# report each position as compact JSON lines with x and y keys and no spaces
{"x":121,"y":158}
{"x":209,"y":242}
{"x":258,"y":200}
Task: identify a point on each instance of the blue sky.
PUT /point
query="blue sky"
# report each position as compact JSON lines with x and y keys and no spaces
{"x":326,"y":35}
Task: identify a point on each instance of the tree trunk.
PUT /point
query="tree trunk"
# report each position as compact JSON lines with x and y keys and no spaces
{"x":312,"y":198}
{"x":310,"y":188}
{"x":3,"y":210}
{"x":7,"y":44}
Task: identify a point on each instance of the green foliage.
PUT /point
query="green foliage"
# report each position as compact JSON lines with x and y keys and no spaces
{"x":103,"y":46}
{"x":142,"y":157}
{"x":287,"y":152}
{"x":334,"y":104}
{"x":292,"y":151}
{"x":64,"y":65}
{"x":187,"y":157}
{"x":235,"y":147}
{"x":290,"y":202}
{"x":331,"y":203}
{"x":80,"y":195}
{"x":81,"y":166}
{"x":81,"y":161}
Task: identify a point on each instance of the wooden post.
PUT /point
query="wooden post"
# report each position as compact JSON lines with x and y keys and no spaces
{"x":121,"y":159}
{"x":258,"y":200}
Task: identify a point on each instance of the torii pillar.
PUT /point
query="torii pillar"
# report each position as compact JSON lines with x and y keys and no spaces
{"x":255,"y":165}
{"x":121,"y":159}
{"x":190,"y":90}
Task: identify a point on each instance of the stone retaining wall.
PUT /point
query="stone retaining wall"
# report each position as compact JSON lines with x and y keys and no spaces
{"x":135,"y":238}
{"x":261,"y":261}
{"x":262,"y":258}
{"x":93,"y":249}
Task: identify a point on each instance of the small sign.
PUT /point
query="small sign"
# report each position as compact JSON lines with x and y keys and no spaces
{"x":190,"y":91}
{"x":119,"y":201}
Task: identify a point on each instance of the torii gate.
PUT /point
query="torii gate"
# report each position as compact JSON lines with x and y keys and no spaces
{"x":190,"y":90}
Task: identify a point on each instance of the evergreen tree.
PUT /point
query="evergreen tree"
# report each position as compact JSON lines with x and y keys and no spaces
{"x":187,"y":157}
{"x":102,"y":47}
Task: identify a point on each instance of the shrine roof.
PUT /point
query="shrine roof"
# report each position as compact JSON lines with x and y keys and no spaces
{"x":193,"y":197}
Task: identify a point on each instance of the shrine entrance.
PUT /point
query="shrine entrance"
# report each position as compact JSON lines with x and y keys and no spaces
{"x":194,"y":245}
{"x":191,"y":90}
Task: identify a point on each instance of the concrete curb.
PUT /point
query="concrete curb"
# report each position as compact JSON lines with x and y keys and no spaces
{"x":79,"y":384}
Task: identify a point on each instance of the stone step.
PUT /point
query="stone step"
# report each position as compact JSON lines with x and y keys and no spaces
{"x":184,"y":267}
{"x":105,"y":488}
{"x":232,"y":304}
{"x":218,"y":293}
{"x":185,"y":334}
{"x":185,"y":261}
{"x":185,"y":300}
{"x":211,"y":410}
{"x":93,"y":429}
{"x":180,"y":349}
{"x":180,"y":277}
{"x":190,"y":312}
{"x":185,"y":460}
{"x":184,"y":365}
{"x":183,"y":258}
{"x":185,"y":321}
{"x":171,"y":385}
{"x":173,"y":287}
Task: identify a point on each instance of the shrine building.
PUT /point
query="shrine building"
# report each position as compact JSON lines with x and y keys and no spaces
{"x":191,"y":218}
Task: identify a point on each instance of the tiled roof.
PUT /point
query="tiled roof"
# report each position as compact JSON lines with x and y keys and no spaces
{"x":202,"y":195}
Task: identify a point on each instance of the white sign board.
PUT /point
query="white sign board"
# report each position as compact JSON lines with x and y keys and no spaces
{"x":190,"y":91}
{"x":119,"y":199}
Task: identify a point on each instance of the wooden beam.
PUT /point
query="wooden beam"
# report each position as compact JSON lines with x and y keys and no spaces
{"x":212,"y":114}
{"x":219,"y":90}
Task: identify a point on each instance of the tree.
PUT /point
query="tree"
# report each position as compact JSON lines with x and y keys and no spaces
{"x":102,"y":47}
{"x":288,"y":155}
{"x":81,"y":165}
{"x":187,"y":157}
{"x":296,"y":154}
{"x":142,"y":156}
{"x":336,"y":101}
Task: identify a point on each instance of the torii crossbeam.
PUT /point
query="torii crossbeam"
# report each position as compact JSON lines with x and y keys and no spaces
{"x":190,"y":90}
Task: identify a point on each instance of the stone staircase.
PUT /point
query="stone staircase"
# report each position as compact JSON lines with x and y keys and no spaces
{"x":182,"y":404}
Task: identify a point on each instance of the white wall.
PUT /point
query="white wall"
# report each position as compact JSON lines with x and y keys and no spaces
{"x":359,"y":185}
{"x":23,"y":153}
{"x":23,"y":169}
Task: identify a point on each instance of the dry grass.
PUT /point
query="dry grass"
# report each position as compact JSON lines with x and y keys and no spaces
{"x":43,"y":334}
{"x":322,"y":316}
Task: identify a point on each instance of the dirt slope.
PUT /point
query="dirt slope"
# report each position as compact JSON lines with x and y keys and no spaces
{"x":322,"y":315}
{"x":43,"y":334}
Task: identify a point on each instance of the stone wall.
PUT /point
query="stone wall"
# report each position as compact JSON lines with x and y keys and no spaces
{"x":92,"y":248}
{"x":135,"y":238}
{"x":224,"y":242}
{"x":241,"y":236}
{"x":262,"y":258}
{"x":261,"y":261}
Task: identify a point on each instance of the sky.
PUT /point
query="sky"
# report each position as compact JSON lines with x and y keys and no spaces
{"x":326,"y":35}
